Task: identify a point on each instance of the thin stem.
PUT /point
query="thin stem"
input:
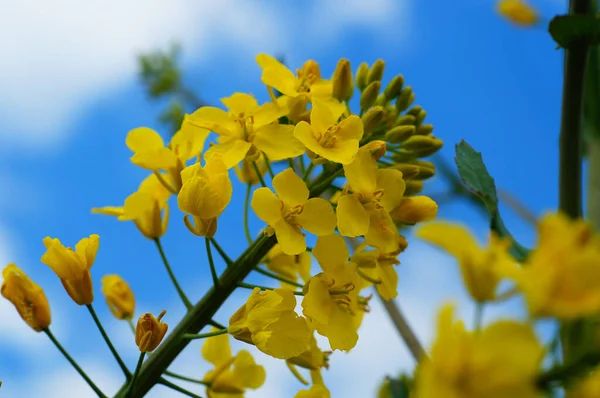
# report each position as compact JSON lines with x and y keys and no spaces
{"x":279,"y":278}
{"x":252,"y":286}
{"x":302,"y":165}
{"x":291,"y":164}
{"x":180,"y":377}
{"x":74,"y":364}
{"x":108,"y":342}
{"x":182,"y":295}
{"x":246,"y":211}
{"x":478,"y":319}
{"x":216,"y":324}
{"x":213,"y":270}
{"x":258,"y":174}
{"x":222,"y":253}
{"x":135,"y":374}
{"x":269,"y":169}
{"x":193,"y":336}
{"x":175,"y":387}
{"x":308,"y":170}
{"x":131,"y":325}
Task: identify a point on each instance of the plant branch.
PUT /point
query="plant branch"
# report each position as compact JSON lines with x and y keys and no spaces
{"x":184,"y":298}
{"x":108,"y":342}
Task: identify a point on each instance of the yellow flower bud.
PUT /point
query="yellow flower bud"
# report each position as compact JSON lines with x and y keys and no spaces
{"x":414,"y":209}
{"x":406,"y":120}
{"x":342,"y":81}
{"x":426,"y":170}
{"x":150,"y":331}
{"x":73,"y":267}
{"x":405,"y":99}
{"x":201,"y":227}
{"x":361,"y":76}
{"x":377,"y":148}
{"x":369,"y":96}
{"x":399,"y":134}
{"x":119,"y":297}
{"x":424,"y":129}
{"x":414,"y":111}
{"x":413,"y":187}
{"x":27,"y":297}
{"x":394,"y":88}
{"x":376,"y":71}
{"x":422,"y":145}
{"x":518,"y":12}
{"x":372,"y":118}
{"x":311,"y":71}
{"x":409,"y":171}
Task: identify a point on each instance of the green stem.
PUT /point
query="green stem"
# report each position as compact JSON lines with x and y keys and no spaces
{"x":192,"y":336}
{"x":182,"y":295}
{"x":307,"y":172}
{"x":252,"y":286}
{"x":280,"y":278}
{"x":74,"y":364}
{"x":246,"y":211}
{"x":291,"y":164}
{"x":269,"y":169}
{"x":175,"y":387}
{"x":569,"y":371}
{"x":108,"y":342}
{"x":302,"y":165}
{"x":137,"y":371}
{"x":213,"y":270}
{"x":216,"y":324}
{"x":131,"y":325}
{"x":222,"y":253}
{"x":180,"y":377}
{"x":258,"y":174}
{"x":478,"y":319}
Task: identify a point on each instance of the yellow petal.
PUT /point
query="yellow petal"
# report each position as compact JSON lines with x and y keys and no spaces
{"x":452,"y":238}
{"x":247,"y":372}
{"x":277,"y":141}
{"x":188,"y":142}
{"x":232,"y":151}
{"x":266,"y":206}
{"x":352,"y":217}
{"x":351,"y":128}
{"x":331,"y":251}
{"x":109,"y":211}
{"x":65,"y":263}
{"x":317,"y":217}
{"x":205,"y":198}
{"x":362,"y":173}
{"x":316,"y":391}
{"x":87,"y":249}
{"x":388,"y":288}
{"x":393,"y":186}
{"x":290,"y":188}
{"x":270,"y":112}
{"x":321,"y":116}
{"x":217,"y":120}
{"x":216,"y":349}
{"x":317,"y":303}
{"x":277,"y":75}
{"x":286,"y":337}
{"x":340,"y":330}
{"x":290,"y":237}
{"x":159,"y":158}
{"x":137,"y":205}
{"x":240,"y":103}
{"x":155,"y":188}
{"x":382,"y":232}
{"x":143,"y":139}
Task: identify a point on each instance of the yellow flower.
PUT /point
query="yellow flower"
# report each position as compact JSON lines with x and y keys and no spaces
{"x":518,"y":12}
{"x":150,"y":152}
{"x":231,"y":375}
{"x":326,"y":137}
{"x":305,"y":86}
{"x":205,"y":194}
{"x":291,"y":210}
{"x":145,"y":208}
{"x":119,"y":297}
{"x":27,"y":297}
{"x":269,"y":321}
{"x":150,"y":331}
{"x":377,"y":265}
{"x":331,"y":298}
{"x":414,"y":209}
{"x":481,"y":268}
{"x":73,"y":267}
{"x":587,"y":387}
{"x":561,"y":277}
{"x":289,"y":266}
{"x":363,"y":208}
{"x":317,"y":390}
{"x":247,"y":127}
{"x":500,"y":361}
{"x":313,"y":358}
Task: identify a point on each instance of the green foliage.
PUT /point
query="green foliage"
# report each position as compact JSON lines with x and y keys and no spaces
{"x":159,"y":71}
{"x":395,"y":387}
{"x":568,"y":30}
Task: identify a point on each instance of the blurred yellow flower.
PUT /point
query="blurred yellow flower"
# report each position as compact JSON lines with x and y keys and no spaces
{"x":414,"y":209}
{"x":586,"y":387}
{"x":27,"y":297}
{"x":247,"y":173}
{"x":289,"y":266}
{"x":150,"y":331}
{"x":377,"y":265}
{"x":119,"y":297}
{"x":291,"y":211}
{"x":73,"y":267}
{"x":501,"y":360}
{"x":518,"y":12}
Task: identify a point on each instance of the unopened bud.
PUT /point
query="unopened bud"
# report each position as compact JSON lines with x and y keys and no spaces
{"x":424,"y":129}
{"x":372,"y":118}
{"x":405,"y":120}
{"x":342,"y":81}
{"x":409,"y":171}
{"x":150,"y":331}
{"x":420,"y":118}
{"x":394,"y":87}
{"x":413,"y":187}
{"x":420,"y":142}
{"x":414,"y":111}
{"x":377,"y":148}
{"x":425,"y":171}
{"x":518,"y":12}
{"x":405,"y":99}
{"x":361,"y":76}
{"x":376,"y":71}
{"x":368,"y":97}
{"x":414,"y":209}
{"x":399,"y":134}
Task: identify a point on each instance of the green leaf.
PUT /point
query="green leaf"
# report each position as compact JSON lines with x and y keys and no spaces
{"x":569,"y":29}
{"x":478,"y":181}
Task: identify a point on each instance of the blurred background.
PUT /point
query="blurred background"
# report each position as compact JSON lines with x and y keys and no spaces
{"x":70,"y":90}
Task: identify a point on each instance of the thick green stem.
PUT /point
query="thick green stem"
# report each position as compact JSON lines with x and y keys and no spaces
{"x":135,"y":374}
{"x":184,"y":298}
{"x":108,"y":342}
{"x":593,"y":185}
{"x":180,"y":377}
{"x":74,"y":364}
{"x":175,"y":387}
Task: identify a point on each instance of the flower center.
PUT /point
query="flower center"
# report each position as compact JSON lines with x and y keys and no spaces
{"x":329,"y":138}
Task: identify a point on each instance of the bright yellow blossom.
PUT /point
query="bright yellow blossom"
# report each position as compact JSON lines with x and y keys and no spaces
{"x":247,"y":127}
{"x":414,"y":209}
{"x":481,"y":268}
{"x":561,"y":277}
{"x":327,"y":138}
{"x":379,"y":266}
{"x":291,"y":211}
{"x":313,"y":358}
{"x":499,"y":361}
{"x":363,"y":208}
{"x":119,"y":297}
{"x":231,"y":375}
{"x":586,"y":387}
{"x":27,"y":297}
{"x":269,"y":321}
{"x":150,"y":331}
{"x":73,"y":266}
{"x":518,"y":12}
{"x":331,"y":298}
{"x":147,"y":208}
{"x":289,"y":266}
{"x":205,"y":194}
{"x":151,"y":153}
{"x":317,"y":390}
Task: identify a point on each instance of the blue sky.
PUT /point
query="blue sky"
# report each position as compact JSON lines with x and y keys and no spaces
{"x":69,"y":94}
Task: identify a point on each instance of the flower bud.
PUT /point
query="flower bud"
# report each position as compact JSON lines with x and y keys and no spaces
{"x":426,"y":170}
{"x":27,"y":297}
{"x":361,"y":76}
{"x":377,"y":148}
{"x":406,"y":120}
{"x":414,"y":209}
{"x":518,"y":12}
{"x":394,"y":87}
{"x":414,"y":111}
{"x":399,"y":134}
{"x":409,"y":171}
{"x":368,"y":97}
{"x":200,"y":226}
{"x":342,"y":81}
{"x":119,"y":297}
{"x":372,"y":118}
{"x":424,"y":129}
{"x":405,"y":99}
{"x":413,"y":187}
{"x":376,"y":71}
{"x":150,"y":331}
{"x":422,"y":145}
